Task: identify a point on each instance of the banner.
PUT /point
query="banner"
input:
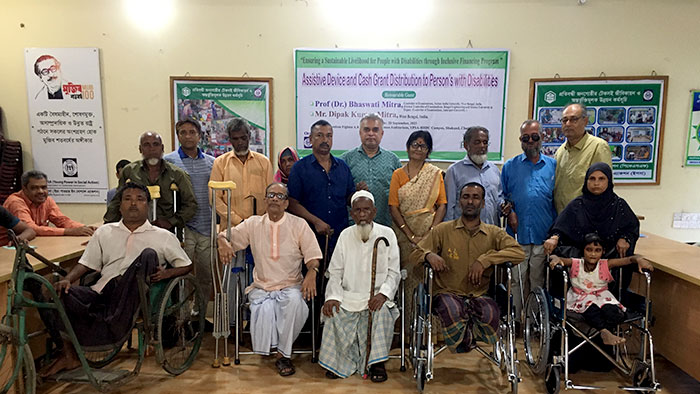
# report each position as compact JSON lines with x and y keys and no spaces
{"x":627,"y":112}
{"x":214,"y":102}
{"x":66,"y":122}
{"x":441,"y":91}
{"x":692,"y":153}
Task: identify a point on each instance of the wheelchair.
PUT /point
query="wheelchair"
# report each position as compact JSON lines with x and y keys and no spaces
{"x":169,"y":318}
{"x":422,"y":349}
{"x":548,"y":321}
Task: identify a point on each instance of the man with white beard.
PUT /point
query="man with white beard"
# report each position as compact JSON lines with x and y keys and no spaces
{"x":348,"y":302}
{"x":475,"y":168}
{"x":152,"y":171}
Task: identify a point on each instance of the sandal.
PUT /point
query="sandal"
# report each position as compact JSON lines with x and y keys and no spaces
{"x":284,"y":366}
{"x":377,"y":373}
{"x":331,"y":375}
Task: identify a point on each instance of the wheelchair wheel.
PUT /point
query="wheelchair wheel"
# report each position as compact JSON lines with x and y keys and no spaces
{"x":99,"y":358}
{"x":26,"y":378}
{"x":179,"y":325}
{"x":537,"y":335}
{"x":420,"y":376}
{"x":552,"y":379}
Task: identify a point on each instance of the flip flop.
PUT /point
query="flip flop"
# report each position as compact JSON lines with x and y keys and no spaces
{"x":377,"y":373}
{"x":284,"y":366}
{"x":331,"y":375}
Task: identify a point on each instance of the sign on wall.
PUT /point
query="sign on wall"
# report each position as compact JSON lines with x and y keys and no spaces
{"x":215,"y":101}
{"x":66,"y":122}
{"x":692,"y":153}
{"x":441,"y":91}
{"x":627,"y":112}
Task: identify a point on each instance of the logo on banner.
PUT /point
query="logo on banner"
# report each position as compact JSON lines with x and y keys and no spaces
{"x":550,"y":97}
{"x":257,"y":92}
{"x":186,"y":91}
{"x":55,"y":87}
{"x":70,"y":167}
{"x":648,"y":95}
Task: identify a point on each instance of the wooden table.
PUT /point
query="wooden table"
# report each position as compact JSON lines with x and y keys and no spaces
{"x":675,"y":294}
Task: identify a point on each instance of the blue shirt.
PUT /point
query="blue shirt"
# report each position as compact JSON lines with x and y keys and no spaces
{"x":199,"y":170}
{"x":325,"y":195}
{"x":376,"y":172}
{"x":465,"y":171}
{"x":530,"y":187}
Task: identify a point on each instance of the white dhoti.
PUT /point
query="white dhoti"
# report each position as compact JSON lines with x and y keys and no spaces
{"x":276,"y":319}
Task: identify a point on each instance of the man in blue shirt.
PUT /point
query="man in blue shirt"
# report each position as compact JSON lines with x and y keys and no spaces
{"x":372,"y":166}
{"x":528,"y":183}
{"x":198,"y":165}
{"x":475,"y":168}
{"x":320,"y":187}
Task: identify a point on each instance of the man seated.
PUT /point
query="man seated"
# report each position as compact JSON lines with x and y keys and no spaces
{"x":280,"y":242}
{"x":102,"y":313}
{"x":346,"y":310}
{"x":21,"y":229}
{"x":33,"y":206}
{"x":463,"y":252}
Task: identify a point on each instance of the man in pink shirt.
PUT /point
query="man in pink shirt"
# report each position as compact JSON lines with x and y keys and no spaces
{"x":33,"y":206}
{"x":280,"y":243}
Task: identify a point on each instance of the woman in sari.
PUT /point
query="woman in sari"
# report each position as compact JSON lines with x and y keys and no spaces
{"x":417,"y":202}
{"x":286,"y":159}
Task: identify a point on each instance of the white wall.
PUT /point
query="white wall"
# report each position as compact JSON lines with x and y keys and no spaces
{"x":235,"y":37}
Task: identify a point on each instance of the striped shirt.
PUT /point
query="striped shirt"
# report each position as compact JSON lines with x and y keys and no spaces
{"x":199,"y":170}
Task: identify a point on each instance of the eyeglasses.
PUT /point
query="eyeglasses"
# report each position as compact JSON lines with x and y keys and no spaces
{"x":526,"y":138}
{"x":418,"y":146}
{"x":49,"y":70}
{"x":279,"y":196}
{"x":572,"y":119}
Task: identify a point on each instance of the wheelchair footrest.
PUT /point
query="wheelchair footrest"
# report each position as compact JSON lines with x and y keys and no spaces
{"x":78,"y":375}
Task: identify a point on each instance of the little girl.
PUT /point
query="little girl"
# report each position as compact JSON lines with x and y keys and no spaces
{"x":589,"y":294}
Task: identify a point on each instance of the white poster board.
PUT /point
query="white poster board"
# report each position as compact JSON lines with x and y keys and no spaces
{"x":66,"y":122}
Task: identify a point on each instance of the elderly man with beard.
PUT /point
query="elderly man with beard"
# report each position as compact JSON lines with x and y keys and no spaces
{"x":348,"y":304}
{"x":280,"y":243}
{"x":463,"y":253}
{"x":154,"y":171}
{"x":475,"y":168}
{"x":528,"y":182}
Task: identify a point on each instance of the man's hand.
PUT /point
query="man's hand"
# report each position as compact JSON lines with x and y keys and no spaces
{"x":62,"y":286}
{"x":80,"y":231}
{"x":162,"y":223}
{"x":550,"y":244}
{"x":513,"y":221}
{"x":437,"y":262}
{"x":506,"y":208}
{"x":376,"y":302}
{"x":622,"y":247}
{"x":308,"y":286}
{"x":161,"y":274}
{"x":644,"y":264}
{"x":323,"y":228}
{"x":361,"y":186}
{"x":475,"y":272}
{"x":226,"y":251}
{"x":554,"y":261}
{"x":330,"y":306}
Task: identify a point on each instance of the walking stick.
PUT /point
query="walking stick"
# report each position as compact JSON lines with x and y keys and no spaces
{"x":371,"y":294}
{"x":504,"y":223}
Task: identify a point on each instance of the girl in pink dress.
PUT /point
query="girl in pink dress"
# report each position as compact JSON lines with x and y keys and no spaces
{"x":589,"y":294}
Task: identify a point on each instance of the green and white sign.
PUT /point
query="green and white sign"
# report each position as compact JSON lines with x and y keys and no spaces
{"x":441,"y":91}
{"x":692,"y":154}
{"x":627,"y":112}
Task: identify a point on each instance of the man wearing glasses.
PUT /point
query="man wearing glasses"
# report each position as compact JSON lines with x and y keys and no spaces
{"x":528,"y":183}
{"x":280,"y":242}
{"x":48,"y":69}
{"x":577,"y":154}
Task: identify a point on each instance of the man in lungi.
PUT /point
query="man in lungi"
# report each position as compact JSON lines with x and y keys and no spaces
{"x":280,"y":243}
{"x":348,"y":304}
{"x":463,"y":253}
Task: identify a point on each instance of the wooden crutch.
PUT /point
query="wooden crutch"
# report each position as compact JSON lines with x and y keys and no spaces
{"x":371,"y":294}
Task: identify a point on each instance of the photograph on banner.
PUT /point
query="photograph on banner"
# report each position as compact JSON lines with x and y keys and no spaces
{"x":441,"y":91}
{"x":66,"y":122}
{"x":692,"y":154}
{"x":626,"y":112}
{"x":214,"y":102}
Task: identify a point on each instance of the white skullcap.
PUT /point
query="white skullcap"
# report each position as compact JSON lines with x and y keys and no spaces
{"x":361,"y":193}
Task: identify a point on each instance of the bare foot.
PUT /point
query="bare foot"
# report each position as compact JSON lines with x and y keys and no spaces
{"x":610,"y":338}
{"x":64,"y":362}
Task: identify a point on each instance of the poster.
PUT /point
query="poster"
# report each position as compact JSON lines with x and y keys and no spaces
{"x":692,"y":153}
{"x":66,"y":122}
{"x":627,"y":112}
{"x":441,"y":91}
{"x":214,"y":102}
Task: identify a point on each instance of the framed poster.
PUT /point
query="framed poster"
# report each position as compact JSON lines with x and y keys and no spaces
{"x":215,"y":101}
{"x":442,"y":91}
{"x":692,"y":152}
{"x":627,"y":112}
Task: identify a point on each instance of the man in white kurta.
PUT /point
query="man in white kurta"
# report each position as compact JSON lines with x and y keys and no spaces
{"x":348,"y":303}
{"x":280,"y":243}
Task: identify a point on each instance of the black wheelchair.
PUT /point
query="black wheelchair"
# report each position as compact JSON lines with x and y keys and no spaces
{"x":422,"y":347}
{"x":547,"y":321}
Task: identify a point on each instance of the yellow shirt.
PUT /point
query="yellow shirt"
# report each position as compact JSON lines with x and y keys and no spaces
{"x":572,"y":164}
{"x":251,"y":178}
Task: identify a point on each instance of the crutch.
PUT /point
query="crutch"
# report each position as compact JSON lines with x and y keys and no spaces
{"x":179,"y":232}
{"x":371,"y":294}
{"x":504,"y":223}
{"x":220,"y":275}
{"x":154,"y":191}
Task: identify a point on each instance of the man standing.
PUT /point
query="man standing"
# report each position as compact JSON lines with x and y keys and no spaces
{"x":348,"y":303}
{"x":320,"y":186}
{"x":475,"y":168}
{"x":280,"y":243}
{"x":577,"y":154}
{"x":33,"y":206}
{"x":528,"y":183}
{"x":48,"y":69}
{"x":198,"y":166}
{"x":372,"y":166}
{"x":154,"y":171}
{"x":463,"y":252}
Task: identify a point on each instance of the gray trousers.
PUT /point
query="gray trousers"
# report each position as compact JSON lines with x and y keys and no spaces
{"x":198,"y":249}
{"x":532,"y":272}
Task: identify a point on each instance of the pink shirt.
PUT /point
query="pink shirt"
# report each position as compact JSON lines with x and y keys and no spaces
{"x":38,"y":217}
